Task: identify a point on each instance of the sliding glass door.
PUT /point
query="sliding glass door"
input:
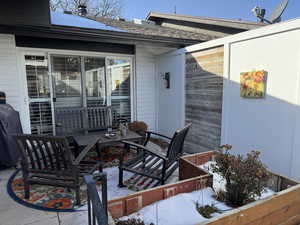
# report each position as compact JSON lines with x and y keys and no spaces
{"x":39,"y":94}
{"x":118,"y":75}
{"x":77,"y":89}
{"x":95,"y":81}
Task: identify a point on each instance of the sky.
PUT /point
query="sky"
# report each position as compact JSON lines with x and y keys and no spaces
{"x":226,"y":9}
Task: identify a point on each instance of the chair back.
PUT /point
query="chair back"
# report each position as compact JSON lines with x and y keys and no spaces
{"x":176,"y":145}
{"x":72,"y":120}
{"x":97,"y":209}
{"x":45,"y":154}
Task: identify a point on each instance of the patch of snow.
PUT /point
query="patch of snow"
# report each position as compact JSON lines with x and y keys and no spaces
{"x":113,"y":191}
{"x":219,"y":183}
{"x":178,"y":210}
{"x":62,"y":19}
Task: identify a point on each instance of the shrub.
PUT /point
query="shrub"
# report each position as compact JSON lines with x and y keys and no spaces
{"x":246,"y":177}
{"x":138,"y":126}
{"x":131,"y":221}
{"x":207,"y":210}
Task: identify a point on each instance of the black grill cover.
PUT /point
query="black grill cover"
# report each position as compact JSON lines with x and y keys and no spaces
{"x":9,"y":124}
{"x":2,"y":98}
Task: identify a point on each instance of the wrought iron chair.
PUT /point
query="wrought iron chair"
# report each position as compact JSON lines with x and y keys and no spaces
{"x":97,"y":208}
{"x":150,"y":162}
{"x":49,"y":160}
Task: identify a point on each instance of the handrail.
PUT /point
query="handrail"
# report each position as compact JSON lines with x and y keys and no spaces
{"x":97,"y":209}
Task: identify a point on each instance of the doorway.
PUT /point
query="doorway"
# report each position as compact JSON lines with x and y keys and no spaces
{"x":71,"y":87}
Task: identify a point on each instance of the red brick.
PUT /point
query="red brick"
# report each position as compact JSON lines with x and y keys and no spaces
{"x":134,"y":204}
{"x":170,"y":191}
{"x":116,"y":209}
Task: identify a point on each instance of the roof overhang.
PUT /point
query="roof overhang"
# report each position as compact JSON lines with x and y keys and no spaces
{"x":95,"y":35}
{"x":243,"y":25}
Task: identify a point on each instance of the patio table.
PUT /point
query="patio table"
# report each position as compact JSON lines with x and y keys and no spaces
{"x":103,"y":141}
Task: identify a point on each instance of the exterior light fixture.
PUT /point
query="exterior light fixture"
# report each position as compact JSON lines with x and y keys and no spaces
{"x":166,"y":77}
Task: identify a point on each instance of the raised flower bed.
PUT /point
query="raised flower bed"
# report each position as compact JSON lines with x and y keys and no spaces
{"x":281,"y":208}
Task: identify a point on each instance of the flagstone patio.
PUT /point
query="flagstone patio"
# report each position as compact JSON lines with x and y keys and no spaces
{"x":13,"y":213}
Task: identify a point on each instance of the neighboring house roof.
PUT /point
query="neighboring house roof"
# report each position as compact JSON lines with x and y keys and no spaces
{"x":63,"y":19}
{"x":152,"y":29}
{"x":238,"y":24}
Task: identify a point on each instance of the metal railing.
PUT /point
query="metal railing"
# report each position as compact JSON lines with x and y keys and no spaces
{"x":97,"y":208}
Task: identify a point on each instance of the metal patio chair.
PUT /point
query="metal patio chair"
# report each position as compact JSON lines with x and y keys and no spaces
{"x":152,"y":163}
{"x":97,"y":207}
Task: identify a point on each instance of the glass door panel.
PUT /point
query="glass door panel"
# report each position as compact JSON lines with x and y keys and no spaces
{"x":95,"y":81}
{"x":38,"y":85}
{"x":118,"y":75}
{"x":67,"y":96}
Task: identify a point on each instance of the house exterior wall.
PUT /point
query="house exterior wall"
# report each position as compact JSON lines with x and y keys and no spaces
{"x":170,"y":113}
{"x":272,"y":124}
{"x":25,"y":12}
{"x":145,"y":87}
{"x":13,"y":82}
{"x":10,"y":82}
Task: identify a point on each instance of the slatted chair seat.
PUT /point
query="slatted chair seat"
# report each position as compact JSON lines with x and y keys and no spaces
{"x":51,"y":161}
{"x":152,"y":163}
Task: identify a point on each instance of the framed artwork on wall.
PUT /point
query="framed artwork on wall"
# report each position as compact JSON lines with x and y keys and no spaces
{"x":253,"y":84}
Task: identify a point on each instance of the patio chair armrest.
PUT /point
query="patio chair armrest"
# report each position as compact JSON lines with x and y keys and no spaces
{"x":157,"y":134}
{"x":85,"y":151}
{"x":146,"y":149}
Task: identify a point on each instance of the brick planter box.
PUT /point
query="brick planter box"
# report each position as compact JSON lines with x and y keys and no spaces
{"x":281,"y":208}
{"x":129,"y":204}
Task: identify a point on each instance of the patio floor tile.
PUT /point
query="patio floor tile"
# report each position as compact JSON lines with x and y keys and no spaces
{"x":12,"y":213}
{"x":75,"y":218}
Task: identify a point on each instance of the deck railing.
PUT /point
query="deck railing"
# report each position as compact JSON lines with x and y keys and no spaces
{"x":97,"y":208}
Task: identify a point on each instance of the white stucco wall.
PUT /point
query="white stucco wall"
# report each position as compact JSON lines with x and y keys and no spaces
{"x":170,"y":110}
{"x":266,"y":124}
{"x":271,"y":125}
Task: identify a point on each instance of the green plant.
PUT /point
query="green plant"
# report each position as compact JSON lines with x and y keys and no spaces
{"x":131,"y":221}
{"x":207,"y":210}
{"x":246,"y":177}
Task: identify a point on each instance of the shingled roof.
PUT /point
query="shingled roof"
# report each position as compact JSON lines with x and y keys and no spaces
{"x":238,"y":24}
{"x":153,"y":30}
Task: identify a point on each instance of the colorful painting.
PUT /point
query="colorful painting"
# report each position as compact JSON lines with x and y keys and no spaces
{"x":253,"y":84}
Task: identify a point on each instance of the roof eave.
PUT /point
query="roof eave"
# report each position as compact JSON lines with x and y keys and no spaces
{"x":73,"y":33}
{"x":222,"y":22}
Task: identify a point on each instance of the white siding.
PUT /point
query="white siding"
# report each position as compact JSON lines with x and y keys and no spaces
{"x":145,"y":87}
{"x":171,"y":101}
{"x":9,"y":82}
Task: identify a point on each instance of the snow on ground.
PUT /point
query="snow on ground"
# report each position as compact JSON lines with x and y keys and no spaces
{"x":178,"y":210}
{"x":63,"y":19}
{"x":113,"y":191}
{"x":219,"y":182}
{"x":181,"y":209}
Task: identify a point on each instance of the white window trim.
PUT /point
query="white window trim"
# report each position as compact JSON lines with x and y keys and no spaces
{"x":22,"y":51}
